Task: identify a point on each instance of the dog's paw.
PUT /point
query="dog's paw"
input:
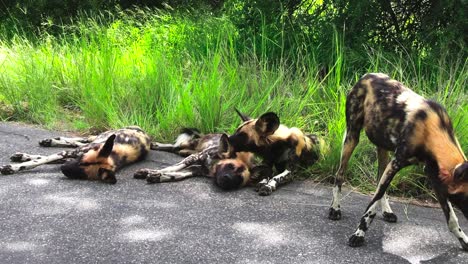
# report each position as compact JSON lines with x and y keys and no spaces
{"x":265,"y":190}
{"x":140,"y":174}
{"x":463,"y":244}
{"x":390,"y":217}
{"x":334,"y":214}
{"x":154,"y":178}
{"x":45,"y":142}
{"x":6,"y":170}
{"x":356,"y":241}
{"x":19,"y":157}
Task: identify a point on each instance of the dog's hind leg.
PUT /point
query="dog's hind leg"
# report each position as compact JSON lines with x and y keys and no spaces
{"x":387,"y":212}
{"x":351,"y":140}
{"x":267,"y":187}
{"x":12,"y":168}
{"x":354,"y":124}
{"x":65,"y":142}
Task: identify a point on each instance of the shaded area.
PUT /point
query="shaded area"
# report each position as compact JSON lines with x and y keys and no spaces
{"x":46,"y":218}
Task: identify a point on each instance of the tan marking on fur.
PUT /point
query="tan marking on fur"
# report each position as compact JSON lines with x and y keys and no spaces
{"x":458,"y":188}
{"x":92,"y":170}
{"x":283,"y":133}
{"x":369,"y":100}
{"x":248,"y":127}
{"x":131,"y":152}
{"x":243,"y":159}
{"x":438,"y":142}
{"x":246,"y":158}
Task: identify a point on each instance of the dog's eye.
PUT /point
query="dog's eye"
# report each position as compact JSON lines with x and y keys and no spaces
{"x":229,"y":166}
{"x":239,"y":169}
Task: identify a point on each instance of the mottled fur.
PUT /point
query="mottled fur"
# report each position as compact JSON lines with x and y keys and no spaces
{"x":95,"y":157}
{"x":279,"y":146}
{"x":417,"y":130}
{"x":207,"y":155}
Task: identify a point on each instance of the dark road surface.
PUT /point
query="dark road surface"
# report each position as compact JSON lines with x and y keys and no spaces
{"x":46,"y":218}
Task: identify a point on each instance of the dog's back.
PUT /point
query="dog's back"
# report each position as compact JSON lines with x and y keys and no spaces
{"x":393,"y":115}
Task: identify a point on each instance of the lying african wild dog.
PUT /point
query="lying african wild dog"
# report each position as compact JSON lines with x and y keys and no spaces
{"x":418,"y":131}
{"x":278,"y":145}
{"x":95,"y":157}
{"x":206,"y":155}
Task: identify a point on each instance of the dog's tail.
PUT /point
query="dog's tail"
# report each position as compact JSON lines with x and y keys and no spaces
{"x":186,"y":135}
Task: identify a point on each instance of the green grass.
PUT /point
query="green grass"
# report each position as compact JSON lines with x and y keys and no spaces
{"x":164,"y":72}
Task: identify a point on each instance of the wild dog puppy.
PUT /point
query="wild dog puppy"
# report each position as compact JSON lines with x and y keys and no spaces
{"x":95,"y":157}
{"x":207,"y":155}
{"x":417,"y":130}
{"x":278,"y":145}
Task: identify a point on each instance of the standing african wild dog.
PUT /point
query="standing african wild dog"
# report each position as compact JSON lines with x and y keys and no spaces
{"x":418,"y":131}
{"x":206,"y":155}
{"x":278,"y":145}
{"x":95,"y":157}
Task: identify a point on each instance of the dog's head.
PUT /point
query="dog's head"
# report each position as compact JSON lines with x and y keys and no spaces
{"x":253,"y":134}
{"x":95,"y":164}
{"x":232,"y":171}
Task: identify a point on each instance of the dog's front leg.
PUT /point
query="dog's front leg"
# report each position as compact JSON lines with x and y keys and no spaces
{"x":23,"y":157}
{"x":267,"y":187}
{"x":357,"y":239}
{"x":12,"y":168}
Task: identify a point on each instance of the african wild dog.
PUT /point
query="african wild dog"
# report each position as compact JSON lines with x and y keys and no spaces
{"x":418,"y":131}
{"x":95,"y":157}
{"x":278,"y":145}
{"x":206,"y":155}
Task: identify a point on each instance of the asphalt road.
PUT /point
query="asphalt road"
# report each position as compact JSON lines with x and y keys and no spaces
{"x":46,"y":218}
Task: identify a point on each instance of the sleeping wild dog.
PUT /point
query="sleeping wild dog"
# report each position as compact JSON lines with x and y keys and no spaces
{"x":206,"y":155}
{"x":95,"y":157}
{"x":279,"y":146}
{"x":417,"y":130}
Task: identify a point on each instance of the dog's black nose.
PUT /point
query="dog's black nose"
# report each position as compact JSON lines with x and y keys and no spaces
{"x":72,"y":170}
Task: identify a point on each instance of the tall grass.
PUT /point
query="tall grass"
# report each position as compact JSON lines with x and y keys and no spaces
{"x":165,"y":71}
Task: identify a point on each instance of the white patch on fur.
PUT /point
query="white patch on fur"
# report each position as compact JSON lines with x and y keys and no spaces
{"x":182,"y":138}
{"x":412,"y":100}
{"x":453,"y":225}
{"x":360,"y":233}
{"x":384,"y":204}
{"x":265,"y":234}
{"x":413,"y":242}
{"x":141,"y":235}
{"x":393,"y":139}
{"x":336,"y":198}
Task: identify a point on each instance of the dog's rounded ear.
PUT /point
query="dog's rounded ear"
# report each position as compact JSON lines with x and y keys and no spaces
{"x":225,"y":147}
{"x":267,"y":124}
{"x":106,"y":150}
{"x":461,"y":172}
{"x":242,"y":116}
